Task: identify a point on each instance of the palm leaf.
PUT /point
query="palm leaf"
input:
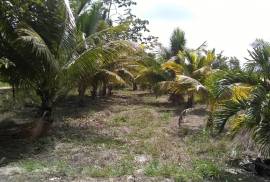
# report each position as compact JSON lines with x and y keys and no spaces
{"x":233,"y":78}
{"x":108,"y":77}
{"x":183,"y":84}
{"x":30,"y":40}
{"x":173,"y":66}
{"x":126,"y":75}
{"x":89,"y":20}
{"x":202,"y":72}
{"x":241,"y":91}
{"x":229,"y":109}
{"x":149,"y":76}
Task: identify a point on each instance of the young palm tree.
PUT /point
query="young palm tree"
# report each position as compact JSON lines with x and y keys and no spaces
{"x":190,"y":73}
{"x":149,"y":72}
{"x":95,"y":31}
{"x":43,"y":46}
{"x":249,"y":112}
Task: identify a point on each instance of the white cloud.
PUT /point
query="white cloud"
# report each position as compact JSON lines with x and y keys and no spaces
{"x":229,"y":25}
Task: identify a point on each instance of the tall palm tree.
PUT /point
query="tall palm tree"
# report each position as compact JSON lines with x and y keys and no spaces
{"x":178,"y":41}
{"x":249,"y":112}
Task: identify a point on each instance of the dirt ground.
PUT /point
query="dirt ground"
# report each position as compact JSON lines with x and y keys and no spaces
{"x":131,"y":136}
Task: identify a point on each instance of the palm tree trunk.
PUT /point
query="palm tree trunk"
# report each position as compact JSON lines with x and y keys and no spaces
{"x":110,"y":90}
{"x":41,"y":127}
{"x":135,"y":87}
{"x":94,"y":92}
{"x":190,"y":101}
{"x":81,"y":91}
{"x":13,"y":92}
{"x":104,"y":89}
{"x":46,"y":105}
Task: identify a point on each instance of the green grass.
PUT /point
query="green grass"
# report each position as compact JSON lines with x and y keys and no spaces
{"x":139,"y":118}
{"x":32,"y":165}
{"x":121,"y":168}
{"x":202,"y":144}
{"x":166,"y":116}
{"x":200,"y":170}
{"x":120,"y":119}
{"x":40,"y":166}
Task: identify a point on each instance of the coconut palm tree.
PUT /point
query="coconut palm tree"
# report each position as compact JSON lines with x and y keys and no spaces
{"x":148,"y":72}
{"x":95,"y":31}
{"x":251,"y":111}
{"x":42,"y":44}
{"x":178,"y":41}
{"x":193,"y":67}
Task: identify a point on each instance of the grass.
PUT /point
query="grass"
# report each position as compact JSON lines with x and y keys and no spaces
{"x":202,"y":160}
{"x":32,"y":165}
{"x":121,"y":168}
{"x":106,"y":140}
{"x":200,"y":170}
{"x":166,"y":116}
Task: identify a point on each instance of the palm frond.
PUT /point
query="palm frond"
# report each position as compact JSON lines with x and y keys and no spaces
{"x":126,"y":75}
{"x":68,"y":37}
{"x":259,"y":62}
{"x":258,"y":114}
{"x":237,"y":124}
{"x":261,"y":134}
{"x":233,"y":78}
{"x":241,"y":91}
{"x":108,"y":77}
{"x":93,"y":59}
{"x":229,"y":110}
{"x":202,"y":72}
{"x":149,"y":76}
{"x":29,"y":40}
{"x":83,"y":5}
{"x":88,"y":21}
{"x":173,"y":66}
{"x":207,"y":59}
{"x":183,"y":84}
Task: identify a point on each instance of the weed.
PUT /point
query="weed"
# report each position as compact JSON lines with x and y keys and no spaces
{"x":206,"y":169}
{"x":121,"y":168}
{"x":31,"y":165}
{"x":166,"y":116}
{"x":200,"y":170}
{"x":120,"y":119}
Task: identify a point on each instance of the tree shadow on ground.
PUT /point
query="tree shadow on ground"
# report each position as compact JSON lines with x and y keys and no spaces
{"x":14,"y":149}
{"x":71,"y":106}
{"x":242,"y":177}
{"x":137,"y":99}
{"x":78,"y":134}
{"x":13,"y":146}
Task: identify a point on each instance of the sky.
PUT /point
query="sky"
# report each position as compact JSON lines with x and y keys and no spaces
{"x":227,"y":25}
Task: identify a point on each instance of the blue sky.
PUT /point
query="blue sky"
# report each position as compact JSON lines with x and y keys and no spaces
{"x":227,"y":25}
